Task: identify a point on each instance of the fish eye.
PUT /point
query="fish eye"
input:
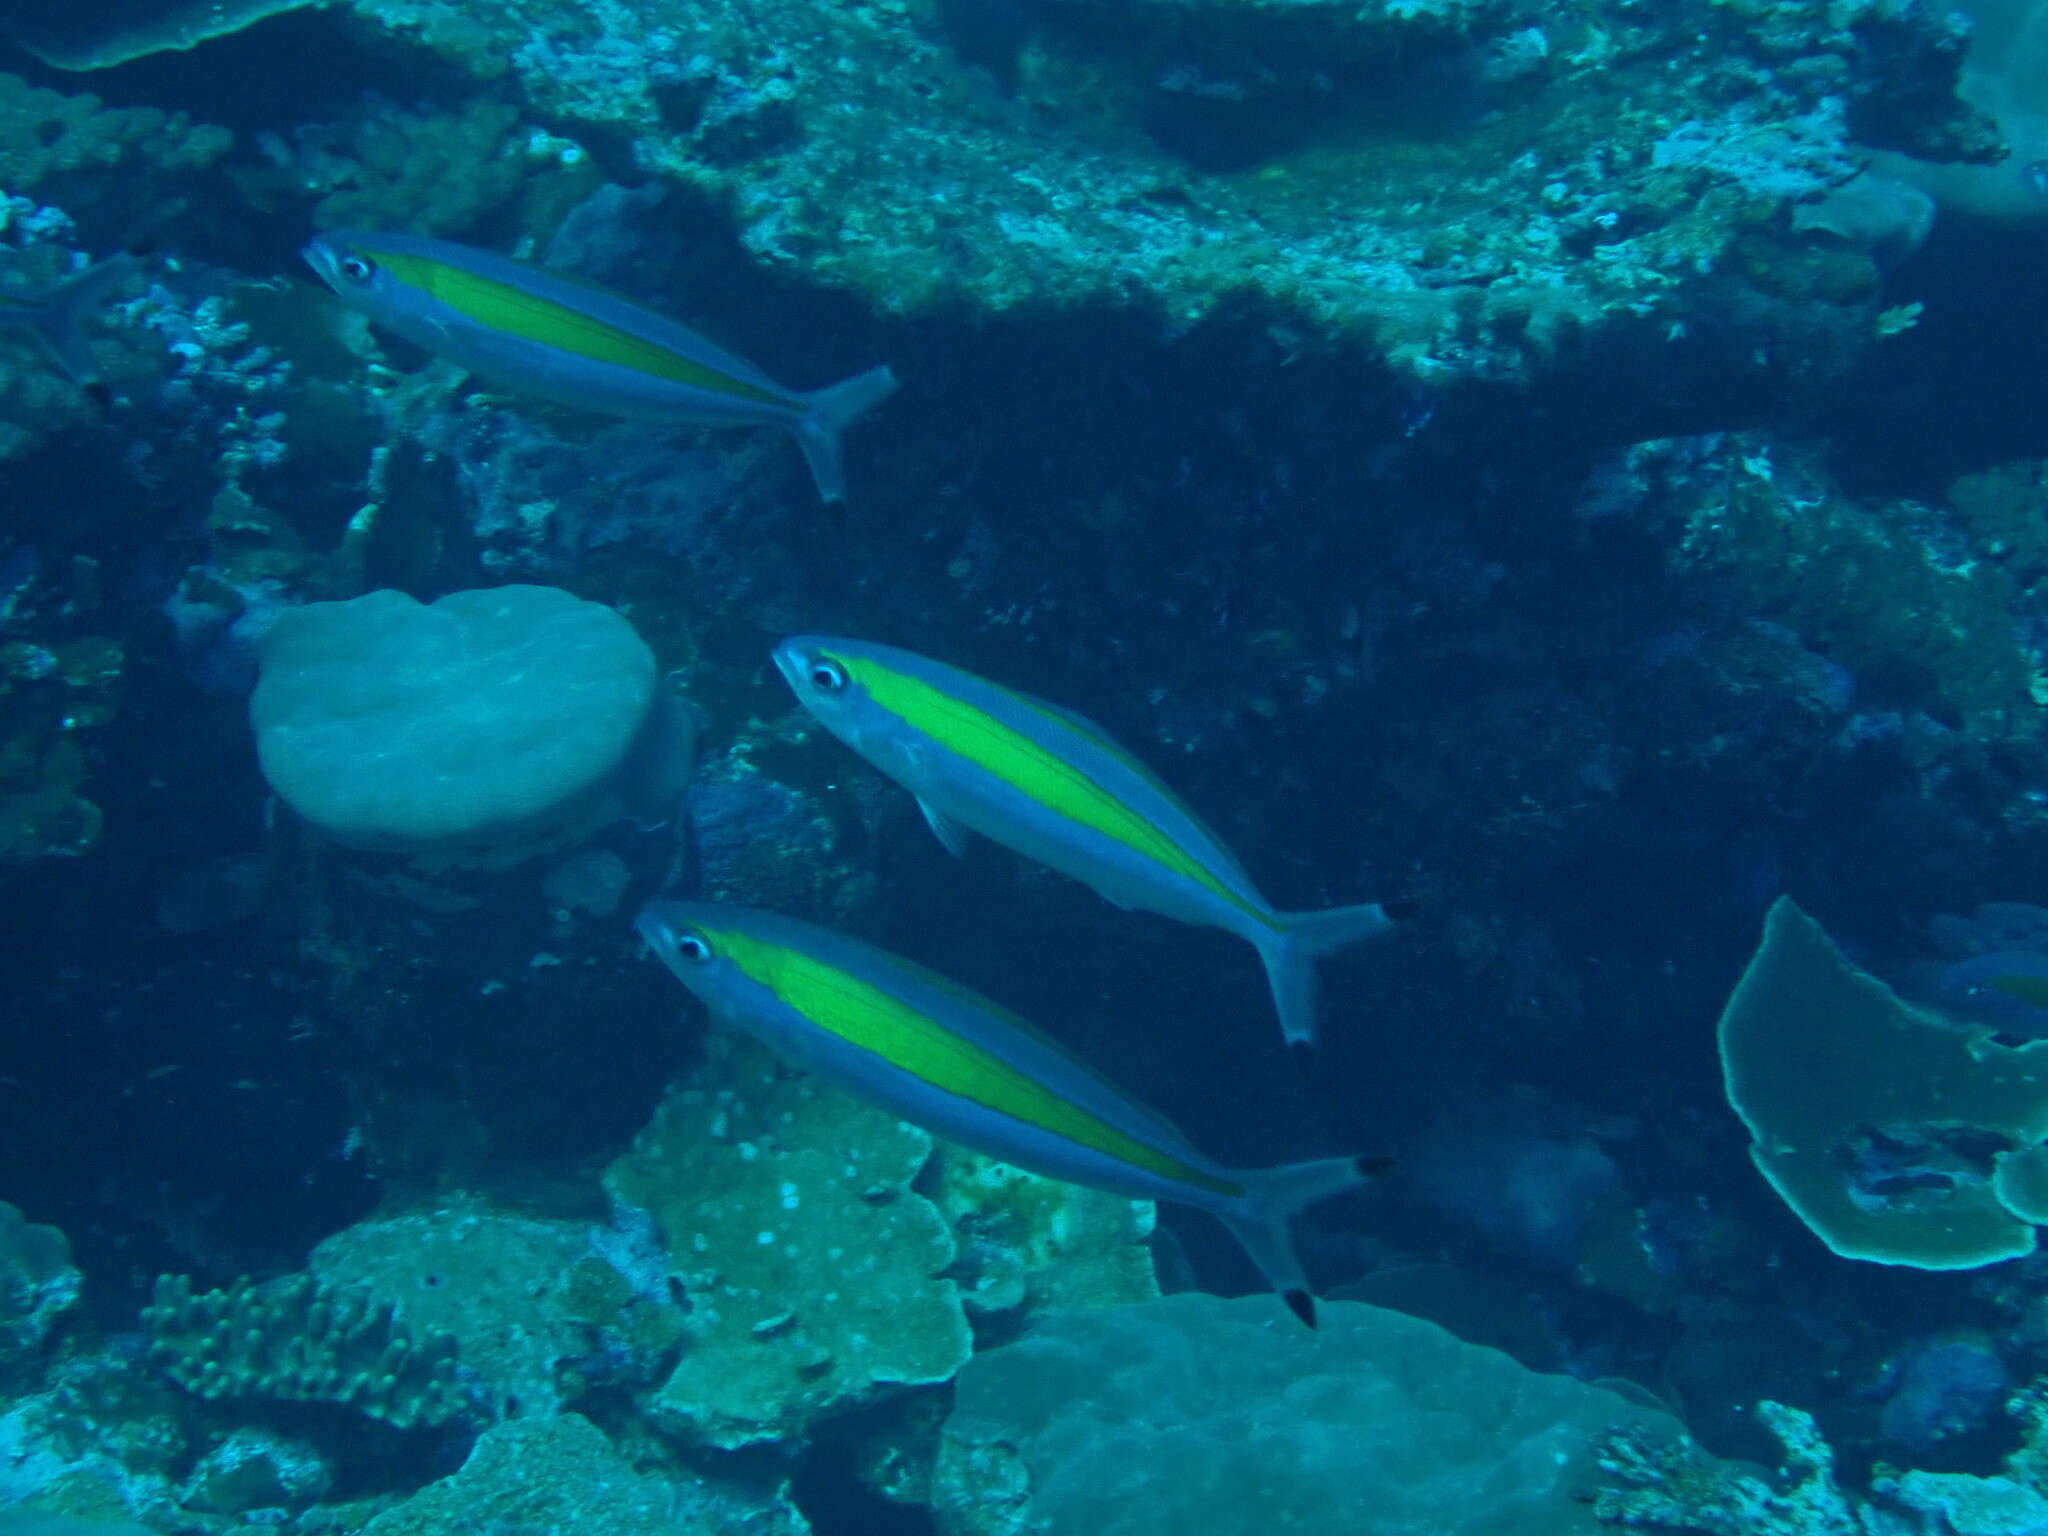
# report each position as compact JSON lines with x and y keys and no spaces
{"x":355,"y":269}
{"x":693,"y":947}
{"x":828,"y":676}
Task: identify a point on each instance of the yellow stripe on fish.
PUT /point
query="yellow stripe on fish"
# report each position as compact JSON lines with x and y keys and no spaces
{"x":1053,"y":786}
{"x":963,"y":1067}
{"x":867,"y":1017}
{"x":1038,"y":771}
{"x":504,"y":307}
{"x":559,"y":338}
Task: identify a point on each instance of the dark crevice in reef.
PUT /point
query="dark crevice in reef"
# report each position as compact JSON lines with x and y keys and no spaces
{"x":836,"y":1501}
{"x":1937,"y":400}
{"x":235,"y":80}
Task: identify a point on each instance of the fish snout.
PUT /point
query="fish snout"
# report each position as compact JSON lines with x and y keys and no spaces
{"x":319,"y":255}
{"x":793,"y":660}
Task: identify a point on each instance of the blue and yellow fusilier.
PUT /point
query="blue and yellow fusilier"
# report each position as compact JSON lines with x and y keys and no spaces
{"x":1053,"y":786}
{"x":937,"y":1055}
{"x":566,"y":341}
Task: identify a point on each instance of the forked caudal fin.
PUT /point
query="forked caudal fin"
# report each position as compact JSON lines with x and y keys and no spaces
{"x":1291,"y":952}
{"x":1275,"y":1195}
{"x":830,"y":412}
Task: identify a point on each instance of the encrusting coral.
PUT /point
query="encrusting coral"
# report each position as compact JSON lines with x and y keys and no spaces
{"x":297,"y":1340}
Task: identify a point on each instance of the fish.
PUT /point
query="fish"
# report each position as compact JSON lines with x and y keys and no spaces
{"x":540,"y":333}
{"x":55,"y":315}
{"x":969,"y":1071}
{"x":1052,"y":785}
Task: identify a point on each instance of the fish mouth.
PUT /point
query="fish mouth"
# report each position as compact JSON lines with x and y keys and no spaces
{"x":791,"y":662}
{"x":651,"y":927}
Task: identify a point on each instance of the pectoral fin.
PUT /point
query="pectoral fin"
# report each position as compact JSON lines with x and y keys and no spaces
{"x":950,"y":836}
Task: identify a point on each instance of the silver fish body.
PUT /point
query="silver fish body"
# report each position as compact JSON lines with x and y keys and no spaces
{"x":939,"y":1056}
{"x":542,"y":334}
{"x":1054,"y":787}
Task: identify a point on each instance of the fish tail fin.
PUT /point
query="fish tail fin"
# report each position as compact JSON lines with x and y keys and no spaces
{"x":59,"y":324}
{"x":831,"y":411}
{"x":1274,"y":1196}
{"x":1297,"y":941}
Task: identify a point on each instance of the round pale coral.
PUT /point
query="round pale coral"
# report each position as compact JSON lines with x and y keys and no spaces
{"x":486,"y":719}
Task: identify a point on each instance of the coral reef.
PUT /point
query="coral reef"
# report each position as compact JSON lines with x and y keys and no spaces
{"x":814,"y":1273}
{"x":40,"y":400}
{"x":295,"y":1339}
{"x":54,"y":696}
{"x":256,"y":1469}
{"x":483,"y":726}
{"x":38,"y":1282}
{"x":101,"y":42}
{"x":1923,"y":604}
{"x":51,"y":141}
{"x":1192,"y":1413}
{"x":832,"y":1257}
{"x":542,"y":1316}
{"x":423,"y":174}
{"x":1338,"y":399}
{"x":1895,"y":1137}
{"x":1661,"y":167}
{"x":1030,"y":1245}
{"x":562,"y":1474}
{"x":1666,"y":1485}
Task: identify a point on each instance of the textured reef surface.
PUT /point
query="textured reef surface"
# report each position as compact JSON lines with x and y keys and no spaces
{"x":1573,"y":470}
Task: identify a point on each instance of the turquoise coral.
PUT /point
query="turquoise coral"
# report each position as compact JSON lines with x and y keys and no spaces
{"x":540,"y":1314}
{"x":562,"y":1476}
{"x":1029,"y":1244}
{"x":815,"y":1274}
{"x":1894,"y":1136}
{"x":1192,"y":1414}
{"x":296,"y":1340}
{"x":806,"y":121}
{"x":38,"y":1282}
{"x":45,"y":134}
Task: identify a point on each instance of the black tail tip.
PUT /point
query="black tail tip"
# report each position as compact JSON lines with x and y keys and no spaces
{"x":1302,"y":1305}
{"x":1372,"y":1167}
{"x":1401,"y":911}
{"x":1303,"y":1054}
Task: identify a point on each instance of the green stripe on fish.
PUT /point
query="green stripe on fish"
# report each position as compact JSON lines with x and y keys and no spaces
{"x":870,"y":1019}
{"x":559,"y":338}
{"x":502,"y":306}
{"x":1034,"y":768}
{"x":931,"y":1052}
{"x":1055,"y":787}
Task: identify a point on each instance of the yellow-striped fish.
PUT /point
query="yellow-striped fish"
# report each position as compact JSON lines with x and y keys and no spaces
{"x":935,"y":1054}
{"x":567,"y":341}
{"x":1053,"y":786}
